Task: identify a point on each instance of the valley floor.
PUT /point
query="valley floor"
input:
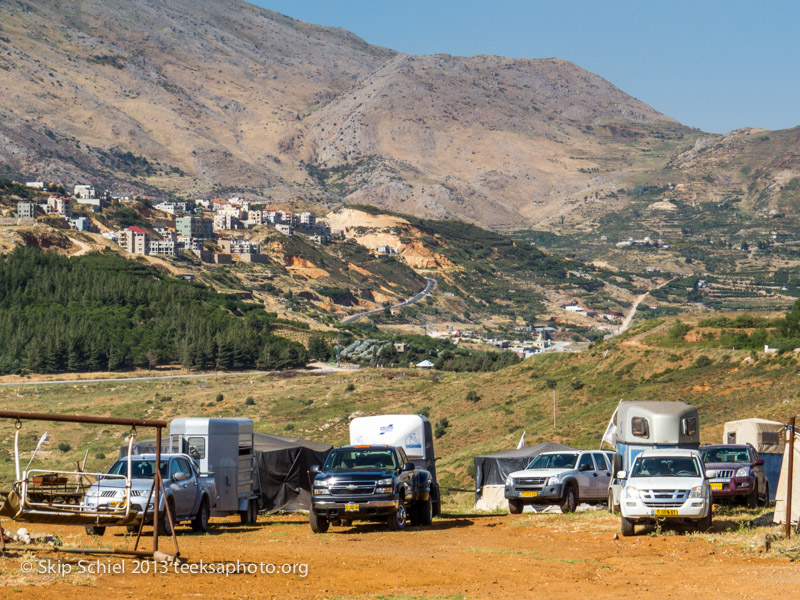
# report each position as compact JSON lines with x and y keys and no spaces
{"x":461,"y":556}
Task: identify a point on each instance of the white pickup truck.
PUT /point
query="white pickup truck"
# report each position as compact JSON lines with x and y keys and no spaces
{"x":669,"y":484}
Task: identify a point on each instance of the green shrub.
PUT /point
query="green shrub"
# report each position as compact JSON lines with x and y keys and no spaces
{"x":250,"y":401}
{"x":220,"y":398}
{"x":472,"y":396}
{"x":64,"y":447}
{"x":702,"y":361}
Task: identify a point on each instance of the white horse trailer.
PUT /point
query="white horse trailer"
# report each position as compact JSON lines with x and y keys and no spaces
{"x":223,"y":448}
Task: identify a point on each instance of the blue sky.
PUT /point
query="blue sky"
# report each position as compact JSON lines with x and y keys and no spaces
{"x":710,"y":64}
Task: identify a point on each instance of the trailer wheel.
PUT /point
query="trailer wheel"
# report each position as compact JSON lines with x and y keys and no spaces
{"x":318,"y":524}
{"x":611,"y":508}
{"x":252,"y":507}
{"x":200,"y":521}
{"x":97,"y":530}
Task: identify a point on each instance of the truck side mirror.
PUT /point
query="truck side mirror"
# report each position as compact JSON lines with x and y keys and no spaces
{"x":180,"y":476}
{"x":759,"y":462}
{"x":408,"y":467}
{"x":710,"y":474}
{"x":314,"y":469}
{"x":621,"y":475}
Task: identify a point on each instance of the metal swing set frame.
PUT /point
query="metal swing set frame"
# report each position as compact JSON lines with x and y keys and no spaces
{"x":46,"y":496}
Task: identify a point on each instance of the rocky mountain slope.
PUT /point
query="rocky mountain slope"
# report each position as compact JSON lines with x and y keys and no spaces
{"x":199,"y":97}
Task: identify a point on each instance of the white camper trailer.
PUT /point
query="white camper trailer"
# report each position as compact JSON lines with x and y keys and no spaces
{"x":411,"y":432}
{"x":767,"y":437}
{"x":223,"y":448}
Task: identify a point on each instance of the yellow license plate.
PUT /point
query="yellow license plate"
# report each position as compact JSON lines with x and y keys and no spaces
{"x":350,"y":507}
{"x":663,"y":512}
{"x":528,"y":494}
{"x":716,"y":486}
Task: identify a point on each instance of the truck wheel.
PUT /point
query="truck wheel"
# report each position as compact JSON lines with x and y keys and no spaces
{"x":318,"y":524}
{"x":514,"y":507}
{"x":345,"y":522}
{"x":611,"y":501}
{"x":704,"y":524}
{"x":200,"y":521}
{"x":97,"y":530}
{"x":164,"y":526}
{"x":132,"y":529}
{"x":397,"y":520}
{"x":752,"y":499}
{"x":766,"y":495}
{"x":570,"y":502}
{"x":627,"y":527}
{"x":425,"y":512}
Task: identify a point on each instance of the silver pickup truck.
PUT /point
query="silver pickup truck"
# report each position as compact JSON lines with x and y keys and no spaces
{"x":190,"y":495}
{"x":565,"y":478}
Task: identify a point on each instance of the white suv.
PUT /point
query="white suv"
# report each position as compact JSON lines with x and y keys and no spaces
{"x":666,"y":484}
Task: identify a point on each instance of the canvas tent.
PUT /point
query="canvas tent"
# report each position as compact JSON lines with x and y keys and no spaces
{"x":766,"y":437}
{"x":491,"y":471}
{"x":780,"y":499}
{"x":283,"y":465}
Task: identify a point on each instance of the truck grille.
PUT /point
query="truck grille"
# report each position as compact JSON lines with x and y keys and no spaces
{"x":727,"y":474}
{"x":352,"y":488}
{"x":664,"y":498}
{"x":108,"y":493}
{"x":530,"y":481}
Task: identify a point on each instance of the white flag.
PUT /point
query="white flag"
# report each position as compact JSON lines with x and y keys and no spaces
{"x":521,"y":441}
{"x":610,"y":436}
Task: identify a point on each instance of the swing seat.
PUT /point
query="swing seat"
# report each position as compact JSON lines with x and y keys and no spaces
{"x":11,"y":506}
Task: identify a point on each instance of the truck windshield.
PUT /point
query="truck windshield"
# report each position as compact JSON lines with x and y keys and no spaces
{"x":665,"y":466}
{"x":140,"y":469}
{"x":562,"y":460}
{"x":725,"y":455}
{"x":367,"y":460}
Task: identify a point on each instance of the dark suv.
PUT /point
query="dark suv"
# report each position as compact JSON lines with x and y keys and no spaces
{"x":739,"y":473}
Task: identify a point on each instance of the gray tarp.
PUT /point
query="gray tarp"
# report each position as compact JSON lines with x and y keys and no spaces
{"x":283,"y":464}
{"x":492,"y":469}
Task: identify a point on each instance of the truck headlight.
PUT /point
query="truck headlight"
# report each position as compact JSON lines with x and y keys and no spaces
{"x":552,"y":480}
{"x":743,"y":472}
{"x":509,"y":481}
{"x":631,"y":492}
{"x":321,"y":487}
{"x":696,"y":492}
{"x":383,"y":482}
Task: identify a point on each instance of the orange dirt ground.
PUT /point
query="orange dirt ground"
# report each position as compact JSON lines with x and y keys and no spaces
{"x":469,"y":556}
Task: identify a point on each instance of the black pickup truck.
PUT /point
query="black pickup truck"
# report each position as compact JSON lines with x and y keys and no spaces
{"x":370,"y":483}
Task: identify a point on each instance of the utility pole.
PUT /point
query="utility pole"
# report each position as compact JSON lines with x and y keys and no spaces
{"x":788,"y":530}
{"x":553,"y":384}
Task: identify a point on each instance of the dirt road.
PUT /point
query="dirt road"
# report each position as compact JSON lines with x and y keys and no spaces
{"x":469,"y":556}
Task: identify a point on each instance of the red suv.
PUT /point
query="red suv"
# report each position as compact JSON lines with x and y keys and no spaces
{"x":739,"y":471}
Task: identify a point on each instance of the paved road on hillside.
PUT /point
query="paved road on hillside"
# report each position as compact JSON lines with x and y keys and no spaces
{"x":428,"y":289}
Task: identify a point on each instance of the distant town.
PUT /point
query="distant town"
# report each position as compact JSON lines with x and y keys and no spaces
{"x":185,"y":225}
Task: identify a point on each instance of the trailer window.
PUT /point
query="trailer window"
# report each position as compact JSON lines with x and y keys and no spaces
{"x":197,"y":447}
{"x":640,"y":427}
{"x":690,"y":426}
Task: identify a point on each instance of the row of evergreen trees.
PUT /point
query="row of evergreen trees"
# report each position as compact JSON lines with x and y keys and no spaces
{"x":103,"y":312}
